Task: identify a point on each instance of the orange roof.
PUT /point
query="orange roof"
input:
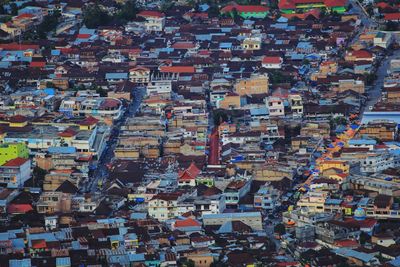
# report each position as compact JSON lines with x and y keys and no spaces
{"x":187,"y":223}
{"x":178,"y":69}
{"x":83,"y":36}
{"x":89,"y":121}
{"x":67,"y":133}
{"x":39,"y":243}
{"x":15,"y":162}
{"x":347,"y":243}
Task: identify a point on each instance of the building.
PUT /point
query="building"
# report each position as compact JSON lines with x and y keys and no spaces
{"x":267,"y":198}
{"x":256,"y":84}
{"x":15,"y":172}
{"x":252,"y":219}
{"x":9,"y":151}
{"x":234,"y":191}
{"x":276,"y":107}
{"x":155,"y":21}
{"x":139,"y":75}
{"x":102,"y":108}
{"x":292,"y":6}
{"x":246,"y":11}
{"x":164,"y":206}
{"x":271,"y":62}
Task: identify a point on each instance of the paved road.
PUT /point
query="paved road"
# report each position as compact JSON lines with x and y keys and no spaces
{"x":101,"y":172}
{"x":213,"y":157}
{"x":375,"y":92}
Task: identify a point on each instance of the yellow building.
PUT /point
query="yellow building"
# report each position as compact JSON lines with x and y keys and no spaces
{"x":12,"y":151}
{"x":338,"y":164}
{"x":256,"y":84}
{"x":230,"y":101}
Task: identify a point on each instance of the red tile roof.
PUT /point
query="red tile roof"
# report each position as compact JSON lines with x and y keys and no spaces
{"x":37,"y":64}
{"x":271,"y":60}
{"x":24,"y":16}
{"x":190,"y":173}
{"x":83,"y":36}
{"x":150,"y":13}
{"x":39,"y":243}
{"x":178,"y":69}
{"x":15,"y":162}
{"x":89,"y":121}
{"x":187,"y":223}
{"x":18,"y":119}
{"x":392,"y":16}
{"x":67,"y":133}
{"x":244,"y":8}
{"x":16,"y":46}
{"x":183,"y":45}
{"x":19,"y":208}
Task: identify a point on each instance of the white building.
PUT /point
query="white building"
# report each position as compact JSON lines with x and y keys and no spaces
{"x":15,"y":172}
{"x":159,"y":87}
{"x":378,"y":162}
{"x":276,"y":107}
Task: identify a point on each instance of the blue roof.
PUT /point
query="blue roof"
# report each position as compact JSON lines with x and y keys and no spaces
{"x":332,"y":201}
{"x":395,"y":262}
{"x":136,"y":257}
{"x":55,"y":52}
{"x":259,"y":111}
{"x":138,"y":215}
{"x":122,"y":75}
{"x":61,"y":150}
{"x":20,"y":263}
{"x":362,"y":142}
{"x":65,"y":261}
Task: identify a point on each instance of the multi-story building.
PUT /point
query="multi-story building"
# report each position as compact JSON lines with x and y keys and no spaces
{"x":164,"y":206}
{"x":292,"y":6}
{"x":9,"y":151}
{"x":14,"y":173}
{"x":155,"y":21}
{"x":54,"y":202}
{"x":296,"y":104}
{"x":378,"y":162}
{"x":256,"y":84}
{"x":102,"y":108}
{"x":252,"y":219}
{"x":234,"y":191}
{"x":275,"y":107}
{"x":267,"y":198}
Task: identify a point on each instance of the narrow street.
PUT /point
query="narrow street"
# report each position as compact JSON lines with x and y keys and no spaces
{"x":101,"y":171}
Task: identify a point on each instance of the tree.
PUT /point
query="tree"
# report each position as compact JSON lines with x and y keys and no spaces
{"x":189,"y":263}
{"x":128,"y":11}
{"x":220,"y":116}
{"x":94,"y":16}
{"x":49,"y":24}
{"x":213,"y":11}
{"x":391,"y":26}
{"x":370,"y":78}
{"x":364,"y":238}
{"x":14,"y":9}
{"x":280,"y":229}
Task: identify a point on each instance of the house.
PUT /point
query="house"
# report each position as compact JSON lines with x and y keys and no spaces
{"x":234,"y":191}
{"x":9,"y":151}
{"x":256,"y":84}
{"x":139,"y":75}
{"x":155,"y":21}
{"x":359,"y":55}
{"x":163,"y":206}
{"x":15,"y":172}
{"x":271,"y":62}
{"x":275,"y":107}
{"x":383,"y":39}
{"x":290,"y":6}
{"x":252,"y":219}
{"x":188,"y":176}
{"x":267,"y":198}
{"x":246,"y":11}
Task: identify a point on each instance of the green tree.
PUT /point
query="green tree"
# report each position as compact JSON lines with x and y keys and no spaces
{"x":213,"y":11}
{"x":128,"y":10}
{"x":280,"y":229}
{"x":94,"y":16}
{"x":14,"y":9}
{"x":364,"y":238}
{"x":220,"y":116}
{"x":49,"y":24}
{"x":189,"y":263}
